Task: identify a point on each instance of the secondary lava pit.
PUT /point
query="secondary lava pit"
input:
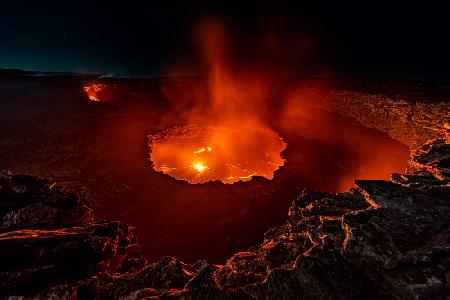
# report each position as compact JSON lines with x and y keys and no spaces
{"x":93,"y":90}
{"x":202,"y":154}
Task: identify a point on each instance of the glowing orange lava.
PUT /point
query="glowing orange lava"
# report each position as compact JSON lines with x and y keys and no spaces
{"x":237,"y":144}
{"x":92,"y":90}
{"x":201,"y":154}
{"x":199,"y":166}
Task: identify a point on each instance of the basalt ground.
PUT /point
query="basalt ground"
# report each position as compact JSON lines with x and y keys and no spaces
{"x":379,"y":238}
{"x":100,"y":151}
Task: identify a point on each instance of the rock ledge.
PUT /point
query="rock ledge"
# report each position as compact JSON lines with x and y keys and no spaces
{"x":387,"y":239}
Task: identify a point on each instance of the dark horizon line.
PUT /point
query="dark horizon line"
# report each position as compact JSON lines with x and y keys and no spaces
{"x":340,"y":75}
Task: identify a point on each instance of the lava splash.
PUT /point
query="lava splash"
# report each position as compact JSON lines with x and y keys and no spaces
{"x":202,"y":154}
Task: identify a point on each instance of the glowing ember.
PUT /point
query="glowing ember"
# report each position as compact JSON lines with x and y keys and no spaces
{"x":201,"y":154}
{"x":200,"y":167}
{"x":92,"y":90}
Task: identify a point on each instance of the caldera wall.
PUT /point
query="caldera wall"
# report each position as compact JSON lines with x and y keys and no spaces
{"x":408,"y":121}
{"x":381,"y":239}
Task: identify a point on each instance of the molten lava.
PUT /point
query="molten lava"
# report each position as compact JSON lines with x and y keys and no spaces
{"x":93,"y":90}
{"x":199,"y":166}
{"x":237,"y":143}
{"x":201,"y":154}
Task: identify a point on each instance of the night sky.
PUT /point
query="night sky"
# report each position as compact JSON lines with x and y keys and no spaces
{"x":152,"y":38}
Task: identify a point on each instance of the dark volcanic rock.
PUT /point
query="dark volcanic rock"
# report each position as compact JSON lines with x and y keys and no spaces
{"x":47,"y":257}
{"x":30,"y":203}
{"x":29,"y":258}
{"x":381,"y":239}
{"x":168,"y":273}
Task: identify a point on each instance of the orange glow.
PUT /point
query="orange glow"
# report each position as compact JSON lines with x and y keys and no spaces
{"x":235,"y":95}
{"x":93,"y":90}
{"x":233,"y":143}
{"x":239,"y":154}
{"x":199,"y":166}
{"x":209,"y":149}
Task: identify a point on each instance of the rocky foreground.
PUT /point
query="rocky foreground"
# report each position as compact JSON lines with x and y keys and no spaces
{"x":381,"y":239}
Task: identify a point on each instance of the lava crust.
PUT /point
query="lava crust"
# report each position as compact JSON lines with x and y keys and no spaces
{"x":379,"y":239}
